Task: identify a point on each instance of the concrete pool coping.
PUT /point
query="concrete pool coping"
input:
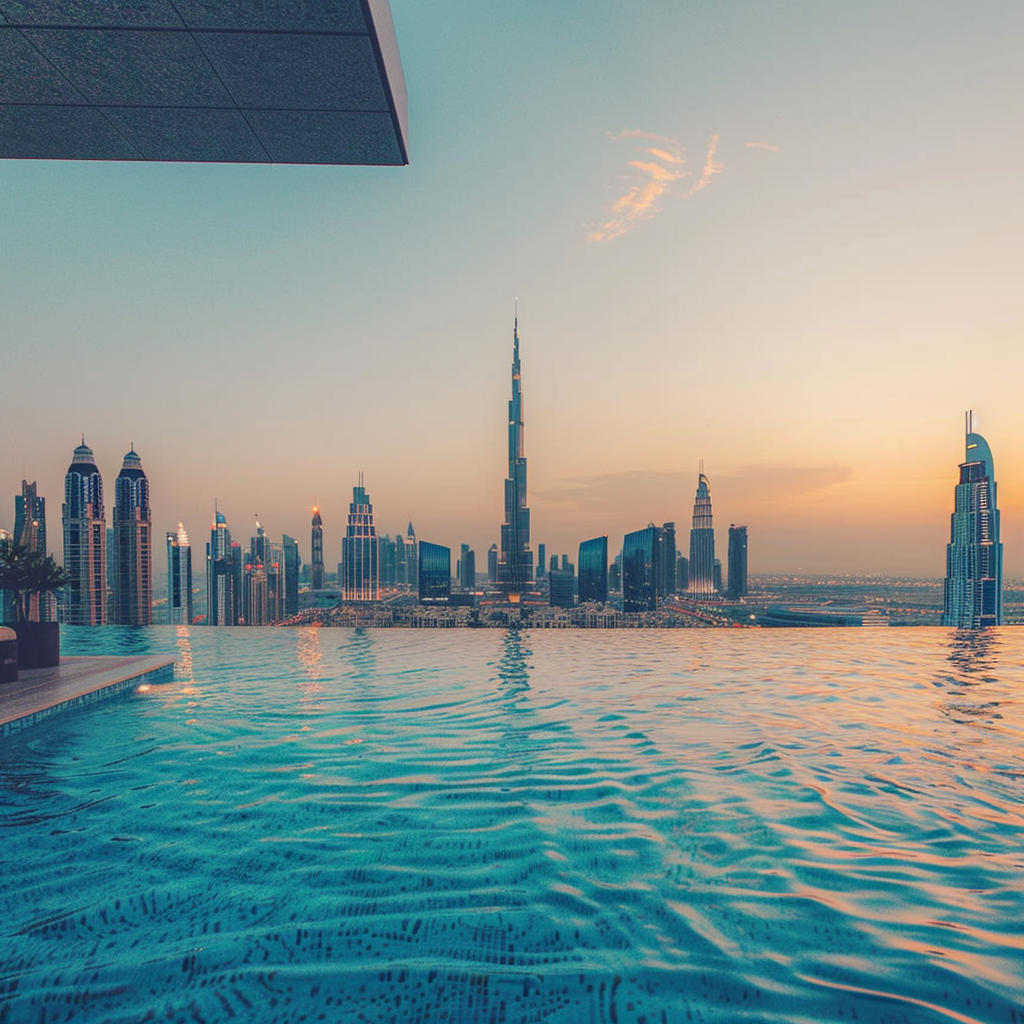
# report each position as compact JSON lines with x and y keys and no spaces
{"x":40,"y":693}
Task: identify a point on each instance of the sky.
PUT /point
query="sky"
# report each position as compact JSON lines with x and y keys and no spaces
{"x":781,"y":238}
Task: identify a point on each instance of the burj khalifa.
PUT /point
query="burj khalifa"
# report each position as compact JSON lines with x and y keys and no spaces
{"x":515,"y":564}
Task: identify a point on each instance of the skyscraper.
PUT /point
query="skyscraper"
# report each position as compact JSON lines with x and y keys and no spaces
{"x":318,"y":579}
{"x":639,"y":570}
{"x":702,"y":542}
{"x":179,"y":578}
{"x":290,"y":575}
{"x":562,"y":586}
{"x":492,"y":563}
{"x":85,"y":542}
{"x":435,"y":572}
{"x":974,"y":556}
{"x":359,"y":550}
{"x":593,"y":578}
{"x":30,"y":533}
{"x":406,"y":560}
{"x":467,"y":568}
{"x":667,"y":560}
{"x":223,"y":575}
{"x":515,"y":563}
{"x":30,"y":518}
{"x":133,"y":535}
{"x":737,"y":561}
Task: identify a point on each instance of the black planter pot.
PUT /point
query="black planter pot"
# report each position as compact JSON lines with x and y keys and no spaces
{"x":38,"y":644}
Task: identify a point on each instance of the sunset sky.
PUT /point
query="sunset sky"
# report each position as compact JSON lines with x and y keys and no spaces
{"x":784,"y":238}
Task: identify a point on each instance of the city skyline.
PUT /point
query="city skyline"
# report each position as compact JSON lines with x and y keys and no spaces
{"x":714,"y":261}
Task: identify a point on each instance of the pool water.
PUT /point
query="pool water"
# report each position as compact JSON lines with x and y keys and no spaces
{"x":458,"y":825}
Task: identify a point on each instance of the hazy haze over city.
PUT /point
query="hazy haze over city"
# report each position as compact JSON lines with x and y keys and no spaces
{"x":781,"y":238}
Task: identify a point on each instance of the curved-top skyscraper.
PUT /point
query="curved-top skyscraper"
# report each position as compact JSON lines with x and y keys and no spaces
{"x":318,"y":575}
{"x":515,"y":564}
{"x":973,"y":595}
{"x":133,"y":535}
{"x":702,"y":542}
{"x":85,"y":542}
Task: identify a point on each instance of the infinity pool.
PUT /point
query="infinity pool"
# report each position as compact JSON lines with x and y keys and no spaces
{"x":448,"y":826}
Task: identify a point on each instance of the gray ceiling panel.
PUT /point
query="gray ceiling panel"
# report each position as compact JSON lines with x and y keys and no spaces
{"x":132,"y":68}
{"x":274,"y":15}
{"x":164,"y":133}
{"x":60,"y":133}
{"x":26,"y":77}
{"x":309,"y":72}
{"x":326,"y":137}
{"x":140,"y":13}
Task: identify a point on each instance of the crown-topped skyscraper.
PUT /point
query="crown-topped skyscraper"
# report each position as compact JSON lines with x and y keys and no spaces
{"x":974,"y":555}
{"x":515,"y":564}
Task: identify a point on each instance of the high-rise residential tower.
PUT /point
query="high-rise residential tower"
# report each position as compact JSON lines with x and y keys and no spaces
{"x":974,"y":555}
{"x":318,"y":577}
{"x":133,"y":537}
{"x":737,"y":561}
{"x":361,"y":581}
{"x":702,"y":542}
{"x":593,"y":579}
{"x":85,"y":542}
{"x":223,"y":575}
{"x":290,"y":575}
{"x":515,"y":563}
{"x":640,"y":570}
{"x":30,"y":533}
{"x":179,"y":578}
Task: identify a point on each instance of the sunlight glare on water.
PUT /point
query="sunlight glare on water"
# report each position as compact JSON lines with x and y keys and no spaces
{"x":457,"y":825}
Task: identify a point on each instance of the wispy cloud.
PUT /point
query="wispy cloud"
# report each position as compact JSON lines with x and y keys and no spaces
{"x":770,"y":146}
{"x":652,"y":174}
{"x":710,"y":168}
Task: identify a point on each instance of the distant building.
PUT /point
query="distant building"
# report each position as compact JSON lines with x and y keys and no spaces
{"x":667,"y":560}
{"x":973,"y":594}
{"x":542,"y":554}
{"x":639,"y":570}
{"x":716,"y":576}
{"x":85,"y":542}
{"x":593,"y":577}
{"x":492,"y":563}
{"x":318,"y":577}
{"x":435,"y":572}
{"x":292,"y":562}
{"x":30,"y":533}
{"x":223,"y":575}
{"x":737,"y":561}
{"x":467,"y":568}
{"x":562,"y":588}
{"x":179,"y":578}
{"x":702,"y":543}
{"x":682,"y":574}
{"x":515,"y":563}
{"x":133,"y":535}
{"x":361,"y":579}
{"x":407,"y":560}
{"x":615,"y":575}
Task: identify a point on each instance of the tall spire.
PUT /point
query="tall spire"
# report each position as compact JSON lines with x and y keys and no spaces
{"x":515,"y":566}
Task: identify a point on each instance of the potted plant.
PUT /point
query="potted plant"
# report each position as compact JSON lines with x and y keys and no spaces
{"x":25,"y":574}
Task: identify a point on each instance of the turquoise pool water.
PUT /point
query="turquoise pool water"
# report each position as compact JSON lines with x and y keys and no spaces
{"x":447,"y":826}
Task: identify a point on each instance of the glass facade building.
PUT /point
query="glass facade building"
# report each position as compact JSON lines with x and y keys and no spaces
{"x":361,"y":578}
{"x":133,"y":538}
{"x":593,"y":569}
{"x":639,"y":570}
{"x":973,"y":592}
{"x":435,"y":572}
{"x":85,"y":542}
{"x":702,"y":543}
{"x":515,"y":562}
{"x":179,"y":578}
{"x":737,"y":561}
{"x":223,"y":575}
{"x":318,"y":577}
{"x":562,"y":588}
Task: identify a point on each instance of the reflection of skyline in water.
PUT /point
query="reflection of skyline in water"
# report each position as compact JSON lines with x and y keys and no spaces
{"x":974,"y":693}
{"x":310,"y":655}
{"x":183,"y":667}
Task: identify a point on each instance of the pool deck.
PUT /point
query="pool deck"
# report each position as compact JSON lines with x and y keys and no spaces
{"x":40,"y":693}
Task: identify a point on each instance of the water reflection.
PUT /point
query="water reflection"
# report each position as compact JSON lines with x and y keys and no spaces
{"x":310,"y":656}
{"x":513,"y":671}
{"x":973,"y":685}
{"x":183,"y":666}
